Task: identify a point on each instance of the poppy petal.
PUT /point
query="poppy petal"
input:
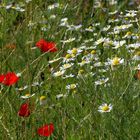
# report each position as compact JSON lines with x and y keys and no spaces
{"x":2,"y":78}
{"x":10,"y":79}
{"x":46,"y":46}
{"x":24,"y":110}
{"x":46,"y":130}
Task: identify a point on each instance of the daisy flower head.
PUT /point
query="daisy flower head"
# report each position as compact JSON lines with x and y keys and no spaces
{"x":59,"y":96}
{"x":55,"y":5}
{"x":106,"y":28}
{"x":64,"y":22}
{"x":131,"y":13}
{"x":101,"y":81}
{"x":27,"y":96}
{"x":43,"y":100}
{"x":119,"y":44}
{"x":66,"y":66}
{"x":99,"y":41}
{"x":71,"y":86}
{"x":115,"y":61}
{"x":83,"y":62}
{"x":90,"y":28}
{"x":105,"y":108}
{"x":74,"y":27}
{"x":68,"y":57}
{"x":74,"y":51}
{"x":107,"y":43}
{"x":68,"y":76}
{"x":128,"y":35}
{"x":21,"y":88}
{"x":118,"y":29}
{"x":59,"y":73}
{"x":137,"y":56}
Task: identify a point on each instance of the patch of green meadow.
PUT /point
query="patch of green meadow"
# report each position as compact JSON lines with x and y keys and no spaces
{"x":97,"y":58}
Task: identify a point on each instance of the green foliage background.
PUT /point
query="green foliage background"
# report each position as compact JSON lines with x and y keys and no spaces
{"x":75,"y":117}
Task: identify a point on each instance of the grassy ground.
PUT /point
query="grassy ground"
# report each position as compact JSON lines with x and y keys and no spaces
{"x":101,"y":68}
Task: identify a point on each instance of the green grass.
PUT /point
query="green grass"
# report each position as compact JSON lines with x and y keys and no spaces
{"x":76,"y":116}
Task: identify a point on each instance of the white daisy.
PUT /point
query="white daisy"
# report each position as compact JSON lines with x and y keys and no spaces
{"x":22,"y":88}
{"x":58,"y":73}
{"x":55,"y":5}
{"x":61,"y":96}
{"x":115,"y":61}
{"x":66,"y":66}
{"x":75,"y":51}
{"x":83,"y":62}
{"x":99,"y":41}
{"x":105,"y":108}
{"x":71,"y":86}
{"x":134,"y":46}
{"x":27,"y":96}
{"x":68,"y":76}
{"x":43,"y":100}
{"x":101,"y":81}
{"x":119,"y":44}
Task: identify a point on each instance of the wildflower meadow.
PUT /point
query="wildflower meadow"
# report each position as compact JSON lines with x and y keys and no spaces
{"x":69,"y":69}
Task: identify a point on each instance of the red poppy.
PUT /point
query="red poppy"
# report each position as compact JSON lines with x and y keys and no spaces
{"x":46,"y":130}
{"x":24,"y":110}
{"x":2,"y":78}
{"x":46,"y":46}
{"x":10,"y":78}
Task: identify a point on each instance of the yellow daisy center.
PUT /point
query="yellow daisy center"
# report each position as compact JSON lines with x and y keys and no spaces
{"x":128,"y":33}
{"x":72,"y":86}
{"x":93,"y":52}
{"x":28,"y":94}
{"x":115,"y":61}
{"x":42,"y":98}
{"x":68,"y":56}
{"x":105,"y":108}
{"x":74,"y":51}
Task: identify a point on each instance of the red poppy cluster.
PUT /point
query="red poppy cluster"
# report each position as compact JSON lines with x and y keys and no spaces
{"x":45,"y":130}
{"x":46,"y":46}
{"x":9,"y":78}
